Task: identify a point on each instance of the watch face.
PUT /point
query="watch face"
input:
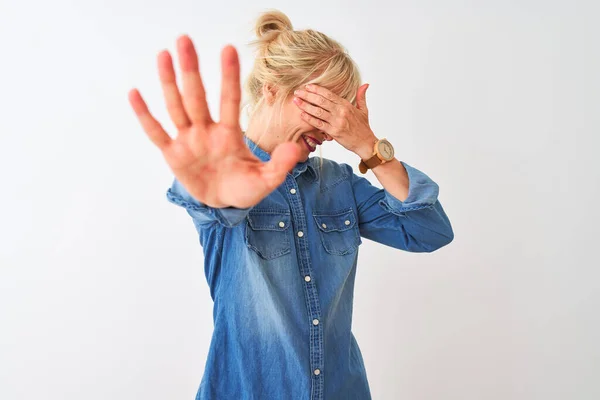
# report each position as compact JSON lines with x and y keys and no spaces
{"x":386,"y":150}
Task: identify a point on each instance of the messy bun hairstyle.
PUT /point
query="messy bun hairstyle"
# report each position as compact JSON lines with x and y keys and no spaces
{"x":289,"y":59}
{"x":270,"y":24}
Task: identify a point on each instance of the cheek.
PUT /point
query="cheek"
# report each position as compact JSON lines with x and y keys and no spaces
{"x":304,"y":124}
{"x":294,"y":118}
{"x":295,"y":114}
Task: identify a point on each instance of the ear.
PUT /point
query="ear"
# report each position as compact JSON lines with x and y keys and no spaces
{"x":269,"y":93}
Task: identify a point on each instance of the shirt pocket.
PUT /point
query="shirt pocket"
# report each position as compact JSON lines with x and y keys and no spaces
{"x":267,"y":233}
{"x":339,"y":231}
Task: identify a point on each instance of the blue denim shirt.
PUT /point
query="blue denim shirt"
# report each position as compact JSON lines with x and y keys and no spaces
{"x":281,"y":275}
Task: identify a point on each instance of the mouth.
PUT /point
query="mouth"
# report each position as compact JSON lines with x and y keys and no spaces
{"x":311,"y":143}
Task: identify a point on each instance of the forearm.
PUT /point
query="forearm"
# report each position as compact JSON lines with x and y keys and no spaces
{"x":392,"y":175}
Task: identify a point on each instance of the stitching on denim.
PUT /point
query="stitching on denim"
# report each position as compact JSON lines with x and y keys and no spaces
{"x":335,"y":213}
{"x":318,"y":219}
{"x":286,"y":242}
{"x":300,"y":221}
{"x":324,"y":232}
{"x":275,"y":216}
{"x":349,"y":250}
{"x":269,"y":211}
{"x":180,"y":201}
{"x":397,"y":212}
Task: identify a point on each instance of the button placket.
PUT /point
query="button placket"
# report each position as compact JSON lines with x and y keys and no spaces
{"x":315,"y":344}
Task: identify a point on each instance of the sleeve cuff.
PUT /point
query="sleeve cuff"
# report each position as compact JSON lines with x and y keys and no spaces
{"x":422,"y":193}
{"x":229,"y":216}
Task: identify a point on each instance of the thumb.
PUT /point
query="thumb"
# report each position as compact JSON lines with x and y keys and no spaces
{"x":283,"y":159}
{"x":361,"y":97}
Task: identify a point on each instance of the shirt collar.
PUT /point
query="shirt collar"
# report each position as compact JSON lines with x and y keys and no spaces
{"x":300,"y":168}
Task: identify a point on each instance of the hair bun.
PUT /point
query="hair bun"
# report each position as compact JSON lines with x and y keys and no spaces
{"x":270,"y":22}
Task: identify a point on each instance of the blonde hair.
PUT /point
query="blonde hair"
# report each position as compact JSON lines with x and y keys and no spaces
{"x":288,"y":59}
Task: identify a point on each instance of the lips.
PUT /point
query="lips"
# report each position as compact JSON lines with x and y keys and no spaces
{"x":311,"y":142}
{"x":314,"y":140}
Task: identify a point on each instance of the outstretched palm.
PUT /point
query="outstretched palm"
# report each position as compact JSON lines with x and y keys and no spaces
{"x":211,"y":159}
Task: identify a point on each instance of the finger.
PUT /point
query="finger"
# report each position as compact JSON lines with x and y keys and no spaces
{"x":313,"y":110}
{"x":230,"y":88}
{"x":283,"y":159}
{"x":194,"y":96}
{"x":171,"y":91}
{"x":316,"y":99}
{"x":318,"y":123}
{"x":151,"y":126}
{"x":361,"y":97}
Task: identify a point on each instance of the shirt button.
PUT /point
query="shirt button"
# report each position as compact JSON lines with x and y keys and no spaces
{"x":317,"y":371}
{"x":347,"y":222}
{"x":315,"y":321}
{"x":281,"y":224}
{"x":293,"y":191}
{"x":300,"y":233}
{"x":307,"y":278}
{"x":324,"y":226}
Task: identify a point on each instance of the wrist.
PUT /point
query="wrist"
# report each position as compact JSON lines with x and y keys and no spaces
{"x":366,"y":150}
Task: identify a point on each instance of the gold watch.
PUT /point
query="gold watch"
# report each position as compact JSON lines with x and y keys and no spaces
{"x":383,"y":151}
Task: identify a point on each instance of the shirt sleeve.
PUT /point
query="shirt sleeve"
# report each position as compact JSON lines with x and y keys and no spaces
{"x":417,"y":224}
{"x":201,"y":213}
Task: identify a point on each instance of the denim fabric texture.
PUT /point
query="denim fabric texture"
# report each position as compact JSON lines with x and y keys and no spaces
{"x":281,"y":276}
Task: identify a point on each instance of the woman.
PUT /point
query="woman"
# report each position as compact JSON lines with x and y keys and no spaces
{"x":280,"y":231}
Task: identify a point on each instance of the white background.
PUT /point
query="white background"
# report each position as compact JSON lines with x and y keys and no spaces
{"x":102,"y":289}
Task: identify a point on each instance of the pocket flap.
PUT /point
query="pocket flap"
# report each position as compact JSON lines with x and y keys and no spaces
{"x":339,"y":222}
{"x":269,"y":221}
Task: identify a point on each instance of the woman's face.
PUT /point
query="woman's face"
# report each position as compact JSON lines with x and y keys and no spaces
{"x":294,"y":128}
{"x":281,"y":121}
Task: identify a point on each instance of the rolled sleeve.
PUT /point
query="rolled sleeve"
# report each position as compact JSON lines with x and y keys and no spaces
{"x":417,"y":224}
{"x":201,"y":213}
{"x":422,"y":193}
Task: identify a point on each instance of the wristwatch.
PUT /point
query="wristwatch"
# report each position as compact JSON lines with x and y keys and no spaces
{"x":383,"y":151}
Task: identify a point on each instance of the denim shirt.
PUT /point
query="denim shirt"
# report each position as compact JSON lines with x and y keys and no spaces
{"x":281,"y":275}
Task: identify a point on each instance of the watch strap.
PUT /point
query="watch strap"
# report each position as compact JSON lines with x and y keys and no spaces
{"x":369,"y":163}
